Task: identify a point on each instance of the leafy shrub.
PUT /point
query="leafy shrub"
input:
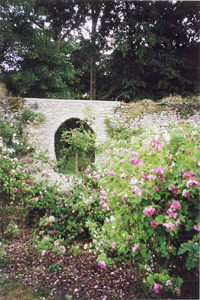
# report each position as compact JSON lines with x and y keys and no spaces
{"x":118,"y":131}
{"x":28,"y":116}
{"x":69,"y":214}
{"x":6,"y":132}
{"x":151,"y":187}
{"x":79,"y":143}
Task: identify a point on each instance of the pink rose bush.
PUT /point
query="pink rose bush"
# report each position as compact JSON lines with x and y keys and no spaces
{"x":158,"y":217}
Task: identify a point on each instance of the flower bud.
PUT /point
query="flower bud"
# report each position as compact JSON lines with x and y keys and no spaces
{"x":170,"y":249}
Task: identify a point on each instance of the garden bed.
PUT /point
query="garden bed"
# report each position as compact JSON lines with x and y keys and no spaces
{"x":78,"y":277}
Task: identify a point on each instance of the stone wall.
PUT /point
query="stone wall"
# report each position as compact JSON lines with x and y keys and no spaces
{"x":147,"y":115}
{"x":56,"y":112}
{"x":132,"y":115}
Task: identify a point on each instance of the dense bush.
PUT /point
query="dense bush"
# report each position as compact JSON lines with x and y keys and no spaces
{"x":69,"y":214}
{"x":151,"y":187}
{"x":141,"y":206}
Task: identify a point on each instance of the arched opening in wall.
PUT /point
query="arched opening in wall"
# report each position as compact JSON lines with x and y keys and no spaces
{"x":74,"y":146}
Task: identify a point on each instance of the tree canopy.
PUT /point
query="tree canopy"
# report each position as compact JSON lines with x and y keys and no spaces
{"x":133,"y":50}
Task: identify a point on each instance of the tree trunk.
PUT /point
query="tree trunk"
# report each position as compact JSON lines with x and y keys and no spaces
{"x":93,"y":78}
{"x":76,"y":163}
{"x":95,"y":7}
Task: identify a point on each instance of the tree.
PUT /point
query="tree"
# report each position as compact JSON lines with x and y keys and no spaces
{"x":154,"y":48}
{"x":36,"y":47}
{"x":156,"y":51}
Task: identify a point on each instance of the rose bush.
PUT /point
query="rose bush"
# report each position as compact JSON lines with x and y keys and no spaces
{"x":73,"y":211}
{"x":152,"y":189}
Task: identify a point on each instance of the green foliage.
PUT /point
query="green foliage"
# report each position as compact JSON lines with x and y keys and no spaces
{"x":53,"y":268}
{"x":6,"y":132}
{"x":193,"y":252}
{"x":3,"y":256}
{"x":78,"y":142}
{"x":118,"y":131}
{"x":150,"y":60}
{"x":12,"y":229}
{"x":28,"y":115}
{"x":154,"y":52}
{"x":75,"y":249}
{"x":74,"y":211}
{"x":151,"y":187}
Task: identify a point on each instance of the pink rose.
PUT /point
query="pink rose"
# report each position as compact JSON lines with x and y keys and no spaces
{"x":133,"y":153}
{"x":150,"y":177}
{"x":170,"y":249}
{"x":69,"y":194}
{"x":52,"y":232}
{"x":157,"y":287}
{"x":36,"y":199}
{"x":67,"y":175}
{"x":135,"y":247}
{"x":28,"y":181}
{"x":123,"y":176}
{"x":156,"y":188}
{"x":152,"y":223}
{"x":185,"y":193}
{"x":111,"y":173}
{"x":196,"y":227}
{"x":149,"y":211}
{"x":169,"y":226}
{"x":136,"y":190}
{"x":101,"y":264}
{"x":105,"y":207}
{"x":96,"y":177}
{"x":168,"y":283}
{"x":28,"y":160}
{"x":112,"y":244}
{"x":157,"y":144}
{"x":15,"y":190}
{"x":171,"y":213}
{"x":175,"y":205}
{"x":136,"y":162}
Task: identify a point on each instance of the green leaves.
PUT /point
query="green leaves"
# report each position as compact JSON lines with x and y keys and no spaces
{"x":157,"y":213}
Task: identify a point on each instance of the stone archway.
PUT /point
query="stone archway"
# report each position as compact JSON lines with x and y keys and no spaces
{"x":57,"y":111}
{"x":67,"y":164}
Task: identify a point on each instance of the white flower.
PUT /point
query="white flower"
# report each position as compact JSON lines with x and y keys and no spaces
{"x":133,"y":180}
{"x":51,"y":218}
{"x":62,"y":249}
